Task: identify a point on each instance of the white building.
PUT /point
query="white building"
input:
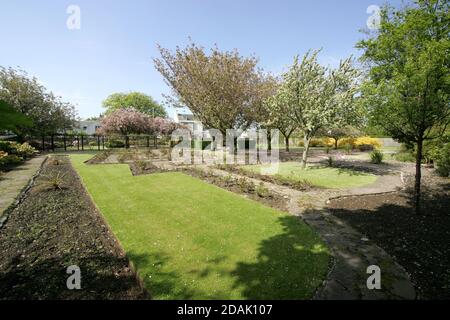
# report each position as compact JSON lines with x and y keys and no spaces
{"x":88,"y":126}
{"x":189,"y":121}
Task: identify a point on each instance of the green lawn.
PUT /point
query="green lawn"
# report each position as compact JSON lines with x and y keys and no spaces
{"x":320,"y":176}
{"x":192,"y":240}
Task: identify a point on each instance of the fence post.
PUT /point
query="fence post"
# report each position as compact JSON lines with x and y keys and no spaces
{"x":65,"y":143}
{"x":82,"y":143}
{"x":52,"y":142}
{"x":148,"y":141}
{"x":78,"y":143}
{"x":98,"y":142}
{"x":43,"y":143}
{"x":103,"y":142}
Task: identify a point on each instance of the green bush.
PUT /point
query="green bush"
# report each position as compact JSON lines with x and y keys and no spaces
{"x":443,"y":161}
{"x":23,"y":150}
{"x":10,"y":160}
{"x":405,"y":157}
{"x":7,"y":146}
{"x":376,"y":156}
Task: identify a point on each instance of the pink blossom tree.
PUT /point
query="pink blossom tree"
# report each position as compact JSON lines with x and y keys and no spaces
{"x":130,"y":121}
{"x":125,"y":122}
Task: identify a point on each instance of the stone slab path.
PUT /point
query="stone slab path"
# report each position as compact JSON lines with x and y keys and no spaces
{"x":14,"y":181}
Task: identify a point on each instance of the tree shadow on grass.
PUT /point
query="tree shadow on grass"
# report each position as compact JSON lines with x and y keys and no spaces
{"x":418,"y":242}
{"x":287,"y":266}
{"x":102,"y":277}
{"x":161,"y":284}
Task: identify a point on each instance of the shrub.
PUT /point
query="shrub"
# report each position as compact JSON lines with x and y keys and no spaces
{"x":7,"y":146}
{"x":55,"y":181}
{"x":367,"y":143}
{"x":25,"y":151}
{"x":141,"y":165}
{"x":443,"y":161}
{"x":9,"y":160}
{"x":348,"y":148}
{"x":262,"y":191}
{"x":245,"y":185}
{"x":376,"y":156}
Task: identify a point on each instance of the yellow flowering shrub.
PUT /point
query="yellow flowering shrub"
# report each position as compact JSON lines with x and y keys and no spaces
{"x":367,"y":141}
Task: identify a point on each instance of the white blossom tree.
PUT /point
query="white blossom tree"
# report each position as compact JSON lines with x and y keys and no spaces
{"x":315,"y":96}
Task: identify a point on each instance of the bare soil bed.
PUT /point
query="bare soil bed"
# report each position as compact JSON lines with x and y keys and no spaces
{"x":57,"y":226}
{"x":419,"y":243}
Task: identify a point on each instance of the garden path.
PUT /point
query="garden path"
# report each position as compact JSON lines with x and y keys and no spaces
{"x":14,"y":181}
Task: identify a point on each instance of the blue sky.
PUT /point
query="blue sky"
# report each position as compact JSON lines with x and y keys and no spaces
{"x":113,"y":49}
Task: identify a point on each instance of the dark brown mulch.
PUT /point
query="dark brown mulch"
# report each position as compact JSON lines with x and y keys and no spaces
{"x":143,"y":167}
{"x":419,"y":243}
{"x":53,"y":229}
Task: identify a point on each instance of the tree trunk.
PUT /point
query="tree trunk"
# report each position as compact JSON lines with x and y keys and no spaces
{"x":418,"y":176}
{"x":335,"y":143}
{"x":286,"y":139}
{"x":269,"y":140}
{"x":306,"y":141}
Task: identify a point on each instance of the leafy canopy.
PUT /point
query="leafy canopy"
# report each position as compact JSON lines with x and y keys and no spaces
{"x":137,"y":100}
{"x":222,"y":89}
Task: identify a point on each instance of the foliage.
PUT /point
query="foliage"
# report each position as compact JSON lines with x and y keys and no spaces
{"x":262,"y":191}
{"x":9,"y":160}
{"x":222,"y":89}
{"x":137,"y":100}
{"x":408,"y":87}
{"x":26,"y":95}
{"x":317,"y":97}
{"x":125,"y":121}
{"x":336,"y":133}
{"x":376,"y":156}
{"x":54,"y":181}
{"x":443,"y":161}
{"x":367,"y":143}
{"x":24,"y":150}
{"x":11,"y":119}
{"x":273,"y":116}
{"x":405,"y":156}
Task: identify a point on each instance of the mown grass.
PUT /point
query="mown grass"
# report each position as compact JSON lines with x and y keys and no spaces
{"x":320,"y":176}
{"x":192,"y":240}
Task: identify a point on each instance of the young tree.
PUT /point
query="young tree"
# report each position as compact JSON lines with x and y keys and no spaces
{"x":408,"y":86}
{"x":125,"y":122}
{"x":222,"y":89}
{"x":275,"y":116}
{"x":317,"y":97}
{"x":137,"y":100}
